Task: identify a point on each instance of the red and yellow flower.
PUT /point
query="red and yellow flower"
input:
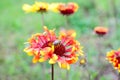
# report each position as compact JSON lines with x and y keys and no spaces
{"x":36,"y":7}
{"x":67,"y":9}
{"x":114,"y":58}
{"x":101,"y":30}
{"x":63,"y":50}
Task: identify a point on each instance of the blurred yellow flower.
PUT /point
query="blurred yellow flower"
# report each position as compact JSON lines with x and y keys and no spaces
{"x":36,"y":7}
{"x":28,"y":8}
{"x":114,"y":58}
{"x":63,"y":49}
{"x":54,"y":7}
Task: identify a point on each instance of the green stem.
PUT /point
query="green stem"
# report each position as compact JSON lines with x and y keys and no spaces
{"x":119,"y":76}
{"x":52,"y":72}
{"x":100,"y":48}
{"x":66,"y":22}
{"x":67,"y":75}
{"x":89,"y":76}
{"x":42,"y":20}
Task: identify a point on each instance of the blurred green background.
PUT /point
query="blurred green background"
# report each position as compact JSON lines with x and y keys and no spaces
{"x":16,"y":27}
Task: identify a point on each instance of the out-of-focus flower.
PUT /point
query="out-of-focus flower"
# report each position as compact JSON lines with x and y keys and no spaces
{"x":36,"y":7}
{"x":67,"y":9}
{"x":70,"y":33}
{"x":54,"y":7}
{"x":101,"y":30}
{"x":114,"y":58}
{"x":82,"y":61}
{"x":46,"y":46}
{"x":28,"y":8}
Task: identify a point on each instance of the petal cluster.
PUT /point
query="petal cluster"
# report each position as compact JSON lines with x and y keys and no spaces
{"x":36,"y":7}
{"x":114,"y":58}
{"x":63,"y":49}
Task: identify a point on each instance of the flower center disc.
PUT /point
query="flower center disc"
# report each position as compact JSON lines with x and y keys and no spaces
{"x":41,"y":9}
{"x":59,"y":49}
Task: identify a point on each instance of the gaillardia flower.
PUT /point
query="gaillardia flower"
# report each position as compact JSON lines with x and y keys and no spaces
{"x":36,"y":7}
{"x":101,"y":30}
{"x":63,"y":50}
{"x":114,"y":58}
{"x":67,"y":9}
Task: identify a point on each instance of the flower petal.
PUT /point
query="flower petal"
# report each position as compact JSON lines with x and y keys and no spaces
{"x":53,"y":59}
{"x":42,"y":59}
{"x":27,"y":8}
{"x":72,"y":60}
{"x":64,"y":65}
{"x":28,"y":51}
{"x":35,"y":59}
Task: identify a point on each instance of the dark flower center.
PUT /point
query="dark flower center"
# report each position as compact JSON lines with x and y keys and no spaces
{"x":67,"y":11}
{"x":41,"y":9}
{"x":100,"y":33}
{"x":59,"y":48}
{"x":118,"y":58}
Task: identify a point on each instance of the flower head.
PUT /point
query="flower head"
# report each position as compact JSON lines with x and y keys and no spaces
{"x":114,"y":58}
{"x":63,"y":50}
{"x":100,"y":30}
{"x":67,"y":9}
{"x":82,"y":61}
{"x":36,"y":7}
